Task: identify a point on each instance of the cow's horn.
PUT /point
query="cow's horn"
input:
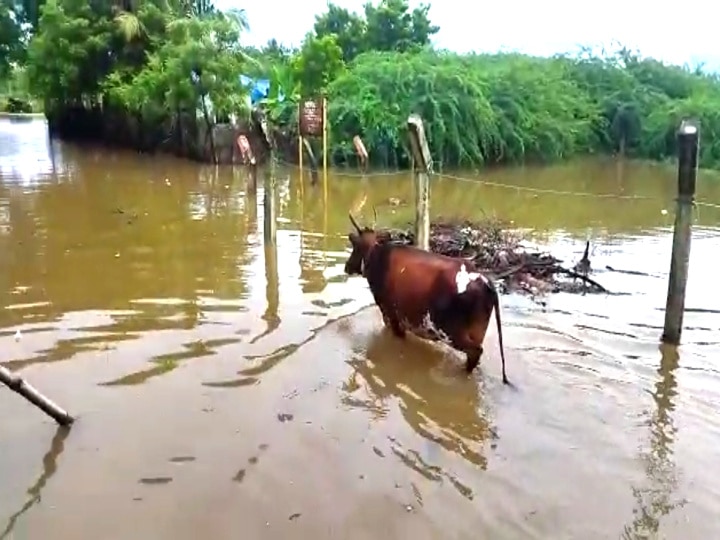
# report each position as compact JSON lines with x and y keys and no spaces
{"x":375,"y":218}
{"x":352,"y":220}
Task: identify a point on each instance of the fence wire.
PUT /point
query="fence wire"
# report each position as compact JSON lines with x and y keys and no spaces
{"x":373,"y":174}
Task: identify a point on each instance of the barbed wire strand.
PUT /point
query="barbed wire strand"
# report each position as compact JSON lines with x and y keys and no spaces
{"x":529,"y":189}
{"x":544,"y":190}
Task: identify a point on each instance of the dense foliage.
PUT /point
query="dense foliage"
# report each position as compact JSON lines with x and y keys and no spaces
{"x":511,"y":107}
{"x":156,"y":58}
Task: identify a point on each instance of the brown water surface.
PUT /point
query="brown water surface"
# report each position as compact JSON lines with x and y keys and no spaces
{"x":227,"y":389}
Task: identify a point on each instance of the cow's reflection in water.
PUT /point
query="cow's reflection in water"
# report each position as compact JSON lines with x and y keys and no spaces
{"x":432,"y":392}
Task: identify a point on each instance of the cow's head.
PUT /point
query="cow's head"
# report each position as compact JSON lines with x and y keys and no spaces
{"x":362,"y":241}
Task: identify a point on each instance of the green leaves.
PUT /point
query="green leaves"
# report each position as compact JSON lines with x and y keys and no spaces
{"x":512,"y":108}
{"x":69,"y":57}
{"x":388,"y":25}
{"x":477,"y":109}
{"x":319,"y":62}
{"x":141,"y":58}
{"x":11,"y":46}
{"x":207,"y":45}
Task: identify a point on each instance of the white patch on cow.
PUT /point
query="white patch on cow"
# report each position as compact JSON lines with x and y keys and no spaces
{"x":463,"y":278}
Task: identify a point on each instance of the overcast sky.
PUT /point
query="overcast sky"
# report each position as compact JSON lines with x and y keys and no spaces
{"x":538,"y":27}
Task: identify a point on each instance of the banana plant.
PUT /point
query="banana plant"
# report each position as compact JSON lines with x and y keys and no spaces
{"x":283,"y":95}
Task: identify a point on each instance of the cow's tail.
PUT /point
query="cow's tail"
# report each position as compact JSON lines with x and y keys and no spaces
{"x":496,"y":308}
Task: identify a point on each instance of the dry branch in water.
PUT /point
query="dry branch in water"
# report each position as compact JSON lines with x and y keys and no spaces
{"x":499,"y":252}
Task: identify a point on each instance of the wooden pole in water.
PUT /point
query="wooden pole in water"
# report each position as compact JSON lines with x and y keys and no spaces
{"x":361,"y":152}
{"x":300,"y":144}
{"x":18,"y":384}
{"x":688,"y":138}
{"x":248,"y":157}
{"x":269,"y":223}
{"x":313,"y":161}
{"x":422,"y":170}
{"x":325,"y":146}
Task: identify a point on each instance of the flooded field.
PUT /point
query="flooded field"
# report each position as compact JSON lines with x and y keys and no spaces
{"x":225,"y":389}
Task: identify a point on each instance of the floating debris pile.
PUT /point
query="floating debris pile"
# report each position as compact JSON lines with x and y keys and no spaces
{"x":500,"y":252}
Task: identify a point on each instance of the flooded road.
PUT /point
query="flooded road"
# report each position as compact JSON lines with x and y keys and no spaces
{"x":221,"y":386}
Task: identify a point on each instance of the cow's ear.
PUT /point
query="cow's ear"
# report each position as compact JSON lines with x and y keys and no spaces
{"x":353,"y":237}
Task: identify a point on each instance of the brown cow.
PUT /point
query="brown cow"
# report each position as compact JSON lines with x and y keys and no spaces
{"x":435,"y":297}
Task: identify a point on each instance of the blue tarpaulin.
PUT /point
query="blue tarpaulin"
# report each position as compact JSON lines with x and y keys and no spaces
{"x":259,"y":88}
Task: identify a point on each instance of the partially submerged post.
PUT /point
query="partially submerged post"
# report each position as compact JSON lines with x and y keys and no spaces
{"x":272,"y":290}
{"x":269,"y":221}
{"x":688,"y":138}
{"x":248,"y":158}
{"x":422,"y":168}
{"x":325,"y":147}
{"x":361,"y":152}
{"x":18,"y":384}
{"x":313,"y":160}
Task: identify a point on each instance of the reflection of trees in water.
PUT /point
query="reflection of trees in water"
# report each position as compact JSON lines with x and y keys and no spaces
{"x":49,"y":468}
{"x":445,"y":409}
{"x":100,"y":243}
{"x":655,"y":500}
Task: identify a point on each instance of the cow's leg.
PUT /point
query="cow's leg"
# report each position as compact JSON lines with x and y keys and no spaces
{"x":391,"y":321}
{"x":473,"y":358}
{"x":383,"y":312}
{"x":397,"y":328}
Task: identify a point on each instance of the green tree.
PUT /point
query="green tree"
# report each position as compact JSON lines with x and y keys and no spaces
{"x":391,"y":26}
{"x":208,"y":46}
{"x":348,"y":27}
{"x":30,"y":11}
{"x":11,"y":46}
{"x":70,"y":54}
{"x":319,"y":62}
{"x":388,"y":26}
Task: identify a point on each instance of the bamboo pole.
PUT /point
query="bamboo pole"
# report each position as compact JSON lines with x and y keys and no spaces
{"x":25,"y":389}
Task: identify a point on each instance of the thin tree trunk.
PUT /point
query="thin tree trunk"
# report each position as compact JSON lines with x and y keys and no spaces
{"x":209,"y":126}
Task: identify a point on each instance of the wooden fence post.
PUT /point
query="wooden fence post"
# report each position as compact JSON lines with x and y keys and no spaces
{"x":325,"y":146}
{"x":270,"y":222}
{"x":361,"y":153}
{"x":422,"y":169}
{"x":688,"y":138}
{"x":248,"y":158}
{"x":18,"y":384}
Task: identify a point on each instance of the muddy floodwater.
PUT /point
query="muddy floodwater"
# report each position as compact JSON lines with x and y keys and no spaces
{"x":228,"y":390}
